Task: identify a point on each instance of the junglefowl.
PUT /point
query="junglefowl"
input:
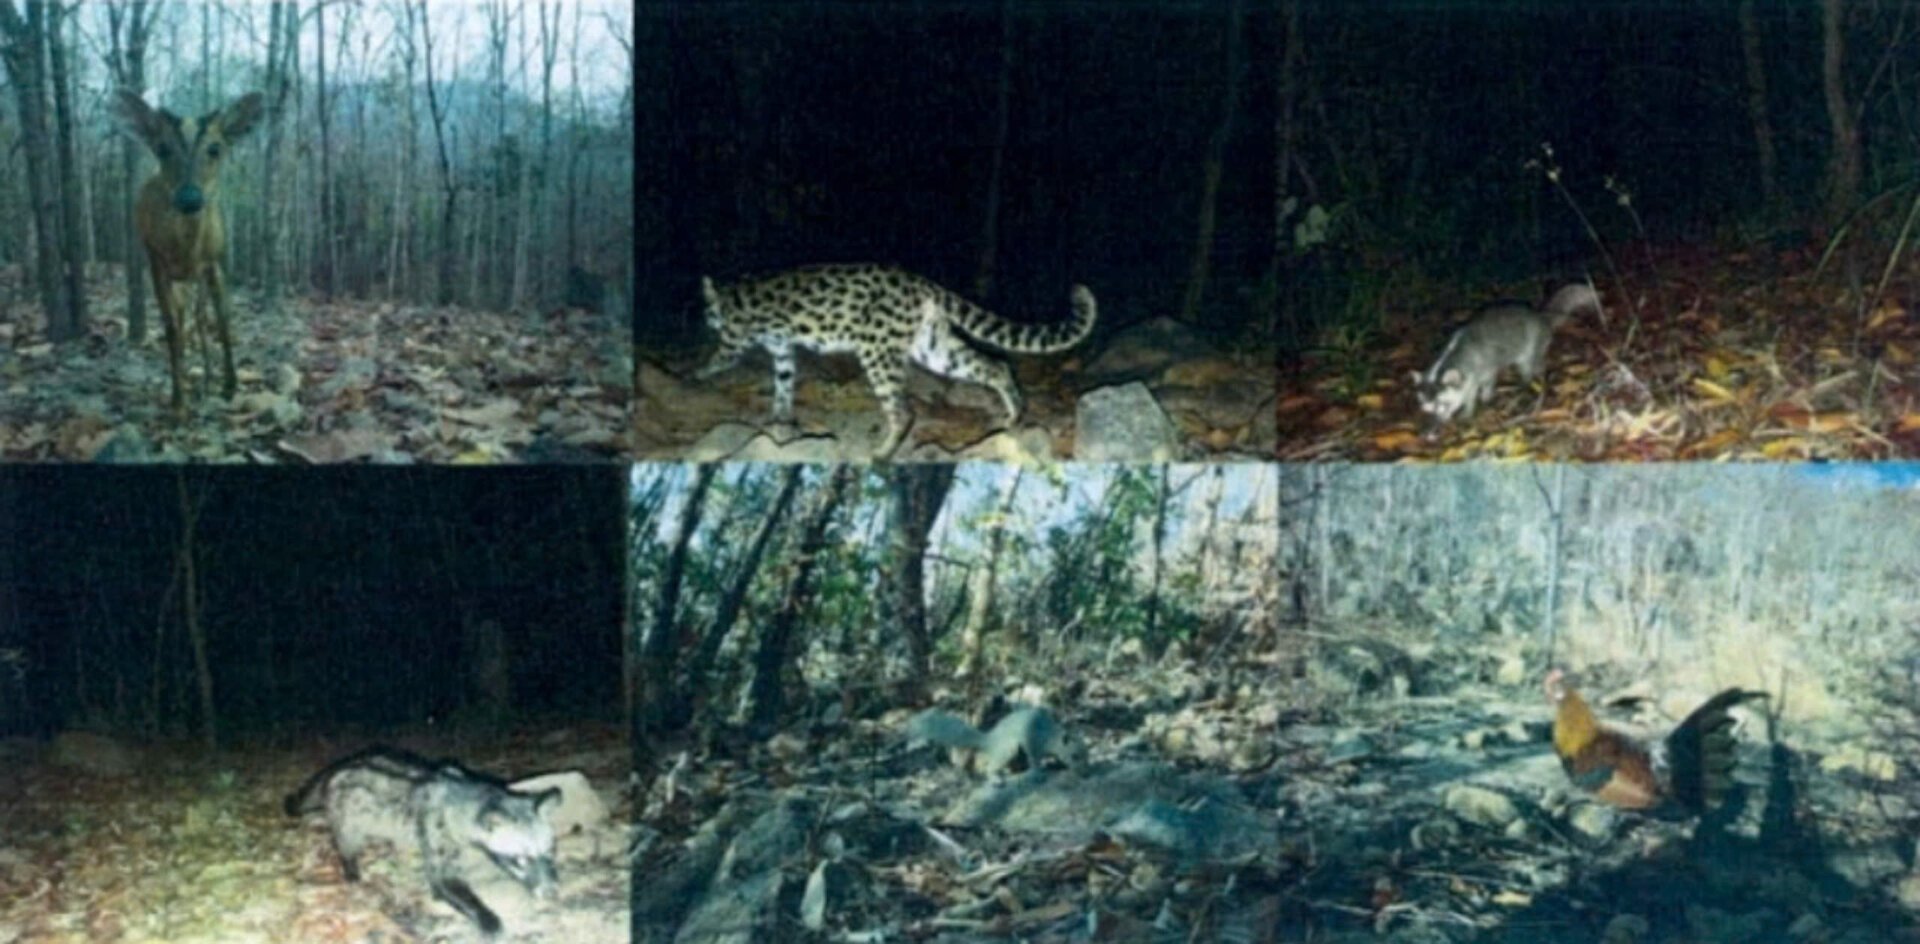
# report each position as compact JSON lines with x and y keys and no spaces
{"x":1690,"y":768}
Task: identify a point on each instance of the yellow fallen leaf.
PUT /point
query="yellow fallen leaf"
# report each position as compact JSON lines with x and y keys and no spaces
{"x":1789,"y":448}
{"x":1512,"y":899}
{"x":1370,"y":401}
{"x":1908,"y":424}
{"x":1716,"y":368}
{"x":1713,"y":391}
{"x":1884,"y":314}
{"x":1397,"y":440}
{"x":1714,"y":444}
{"x":1898,"y":355}
{"x":1832,"y":422}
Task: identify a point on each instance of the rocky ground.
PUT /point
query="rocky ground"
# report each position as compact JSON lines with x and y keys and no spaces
{"x":1324,"y":797}
{"x":1154,"y":393}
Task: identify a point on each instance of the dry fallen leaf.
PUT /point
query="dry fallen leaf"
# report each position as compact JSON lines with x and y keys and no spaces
{"x":1396,"y":440}
{"x":1713,"y":391}
{"x":1723,"y":439}
{"x":1792,"y":447}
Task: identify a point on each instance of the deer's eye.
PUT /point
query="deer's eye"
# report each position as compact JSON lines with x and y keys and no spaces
{"x":213,"y":150}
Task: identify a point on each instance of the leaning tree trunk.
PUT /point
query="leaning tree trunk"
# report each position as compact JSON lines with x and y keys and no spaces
{"x":437,"y":109}
{"x":764,"y":697}
{"x":734,"y":600}
{"x":655,"y":688}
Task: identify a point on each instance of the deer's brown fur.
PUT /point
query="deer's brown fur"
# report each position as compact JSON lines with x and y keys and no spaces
{"x":177,"y":214}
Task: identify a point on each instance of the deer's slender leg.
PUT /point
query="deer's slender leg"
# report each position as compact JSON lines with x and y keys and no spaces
{"x":170,"y":322}
{"x":217,"y":284}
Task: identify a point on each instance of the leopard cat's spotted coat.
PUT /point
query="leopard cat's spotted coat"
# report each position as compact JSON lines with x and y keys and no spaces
{"x":884,"y":316}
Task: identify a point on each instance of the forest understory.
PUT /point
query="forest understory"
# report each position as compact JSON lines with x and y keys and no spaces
{"x":106,"y":842}
{"x":320,"y":382}
{"x":1742,"y":355}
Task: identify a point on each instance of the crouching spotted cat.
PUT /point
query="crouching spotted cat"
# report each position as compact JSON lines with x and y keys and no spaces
{"x":884,"y":316}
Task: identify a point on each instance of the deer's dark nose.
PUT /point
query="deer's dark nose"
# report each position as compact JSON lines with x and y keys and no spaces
{"x":188,"y":199}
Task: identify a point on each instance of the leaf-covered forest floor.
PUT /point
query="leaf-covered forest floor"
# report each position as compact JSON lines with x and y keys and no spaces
{"x":346,"y":381}
{"x":1341,"y":791}
{"x":1737,"y":355}
{"x":185,"y":847}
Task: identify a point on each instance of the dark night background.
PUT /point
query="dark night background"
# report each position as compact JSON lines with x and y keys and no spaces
{"x":804,"y":133}
{"x":811,"y":132}
{"x":333,"y":600}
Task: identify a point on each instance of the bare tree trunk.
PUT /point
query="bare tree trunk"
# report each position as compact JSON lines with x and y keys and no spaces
{"x":89,"y":230}
{"x":328,"y":257}
{"x":918,"y":493}
{"x":765,"y":698}
{"x":499,"y":21}
{"x":577,"y":147}
{"x":1162,"y":498}
{"x":283,"y":31}
{"x":398,"y":255}
{"x":546,"y":266}
{"x":657,"y":643}
{"x":1843,"y":161}
{"x":72,"y":198}
{"x":1003,"y":106}
{"x":1286,"y":134}
{"x":678,"y":713}
{"x":981,"y":588}
{"x":1757,"y":106}
{"x":1199,"y":271}
{"x":25,"y":53}
{"x":129,"y":26}
{"x":450,"y":194}
{"x":190,"y":610}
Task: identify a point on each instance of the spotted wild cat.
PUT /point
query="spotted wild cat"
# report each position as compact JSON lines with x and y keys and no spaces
{"x":884,"y":316}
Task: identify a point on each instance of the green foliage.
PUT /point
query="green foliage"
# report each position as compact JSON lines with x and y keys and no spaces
{"x":1075,"y":567}
{"x":1349,"y":347}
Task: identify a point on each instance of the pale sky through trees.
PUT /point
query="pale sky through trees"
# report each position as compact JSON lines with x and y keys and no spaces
{"x":459,"y":40}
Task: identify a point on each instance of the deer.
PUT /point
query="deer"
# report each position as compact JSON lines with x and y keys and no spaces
{"x":177,"y":215}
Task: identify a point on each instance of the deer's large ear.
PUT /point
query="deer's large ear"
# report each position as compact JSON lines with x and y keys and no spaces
{"x":239,"y":117}
{"x":138,"y":117}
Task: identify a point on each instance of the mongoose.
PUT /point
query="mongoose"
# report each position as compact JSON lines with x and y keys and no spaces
{"x":1501,"y":336}
{"x":1029,"y":730}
